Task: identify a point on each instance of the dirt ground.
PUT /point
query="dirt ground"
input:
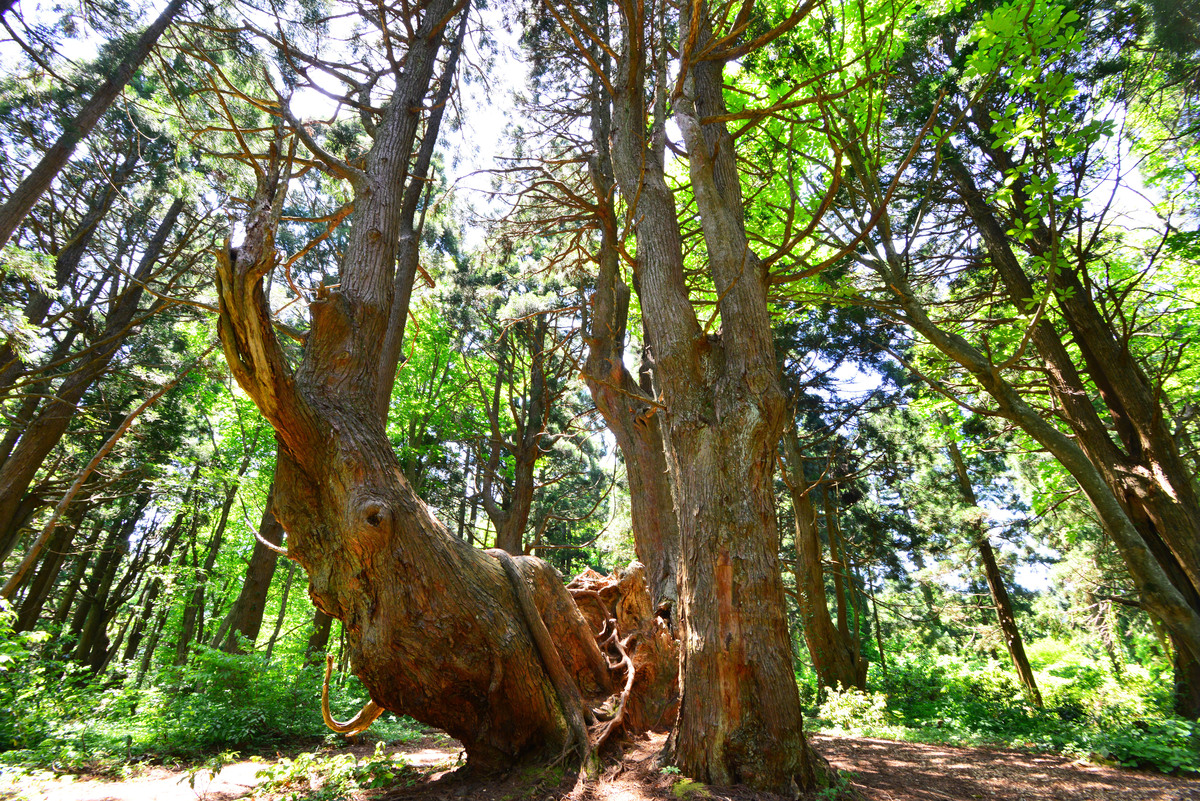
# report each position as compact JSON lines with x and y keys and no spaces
{"x":879,"y":770}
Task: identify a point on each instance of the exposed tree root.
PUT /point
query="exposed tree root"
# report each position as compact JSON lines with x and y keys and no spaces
{"x":357,"y":724}
{"x":568,"y":693}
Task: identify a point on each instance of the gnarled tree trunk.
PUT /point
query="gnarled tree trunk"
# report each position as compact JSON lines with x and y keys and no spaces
{"x":435,"y":629}
{"x":740,"y":717}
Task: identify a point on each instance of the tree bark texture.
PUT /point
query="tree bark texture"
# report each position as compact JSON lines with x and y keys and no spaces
{"x":435,"y":628}
{"x":739,"y":718}
{"x":628,"y":408}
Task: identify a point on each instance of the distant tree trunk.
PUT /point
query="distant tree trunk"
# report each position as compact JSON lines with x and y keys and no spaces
{"x":194,"y":609}
{"x":92,"y":634}
{"x":43,"y":434}
{"x":100,"y":563}
{"x":66,"y":264}
{"x":283,"y":602}
{"x":34,"y":185}
{"x":43,"y":581}
{"x":512,"y":518}
{"x":1187,"y":682}
{"x":318,"y":641}
{"x":92,"y":627}
{"x":1151,"y":508}
{"x":1000,"y":598}
{"x":247,"y":613}
{"x":171,"y":538}
{"x":75,"y":582}
{"x":843,"y":575}
{"x":832,"y":656}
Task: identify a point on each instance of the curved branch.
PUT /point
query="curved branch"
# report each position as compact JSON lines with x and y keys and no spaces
{"x":357,"y":724}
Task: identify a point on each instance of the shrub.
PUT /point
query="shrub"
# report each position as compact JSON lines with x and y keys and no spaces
{"x":314,"y":778}
{"x":850,"y":707}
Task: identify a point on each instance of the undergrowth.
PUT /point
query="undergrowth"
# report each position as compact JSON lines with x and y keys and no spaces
{"x":65,"y":720}
{"x":313,"y":777}
{"x":1086,"y":712}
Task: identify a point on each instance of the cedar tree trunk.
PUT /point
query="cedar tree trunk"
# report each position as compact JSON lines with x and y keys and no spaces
{"x":435,"y":629}
{"x":739,"y":718}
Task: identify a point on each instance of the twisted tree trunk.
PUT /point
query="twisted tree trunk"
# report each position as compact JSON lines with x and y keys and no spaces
{"x":435,"y":629}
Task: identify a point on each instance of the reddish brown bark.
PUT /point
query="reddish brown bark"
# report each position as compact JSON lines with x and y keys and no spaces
{"x":628,"y":407}
{"x":740,"y":718}
{"x":435,"y":629}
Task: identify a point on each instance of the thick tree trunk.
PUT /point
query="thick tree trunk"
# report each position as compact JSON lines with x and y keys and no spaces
{"x":22,"y":200}
{"x":740,"y":717}
{"x":247,"y":614}
{"x":832,"y":657}
{"x":1000,"y":599}
{"x":627,"y":407}
{"x":435,"y":629}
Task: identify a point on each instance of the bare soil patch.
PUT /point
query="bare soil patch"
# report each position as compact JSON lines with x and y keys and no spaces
{"x":880,"y":770}
{"x":885,"y":770}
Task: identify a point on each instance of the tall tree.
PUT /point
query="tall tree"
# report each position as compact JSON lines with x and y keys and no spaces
{"x":453,"y":643}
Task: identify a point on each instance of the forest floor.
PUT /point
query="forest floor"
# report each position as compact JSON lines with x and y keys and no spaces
{"x":879,"y":770}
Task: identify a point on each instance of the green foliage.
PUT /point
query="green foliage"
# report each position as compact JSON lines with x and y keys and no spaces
{"x":1087,"y":712}
{"x":222,"y":700}
{"x":315,"y":778}
{"x":689,"y":788}
{"x":845,"y":707}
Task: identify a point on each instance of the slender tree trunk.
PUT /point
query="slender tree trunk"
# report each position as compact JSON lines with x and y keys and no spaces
{"x":283,"y":602}
{"x":247,"y":613}
{"x":92,"y":632}
{"x":73,"y":585}
{"x":832,"y":657}
{"x":1000,"y":599}
{"x":44,"y":433}
{"x":318,"y":641}
{"x":194,"y":610}
{"x":43,"y":582}
{"x":30,"y":190}
{"x":66,"y":264}
{"x":627,"y":407}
